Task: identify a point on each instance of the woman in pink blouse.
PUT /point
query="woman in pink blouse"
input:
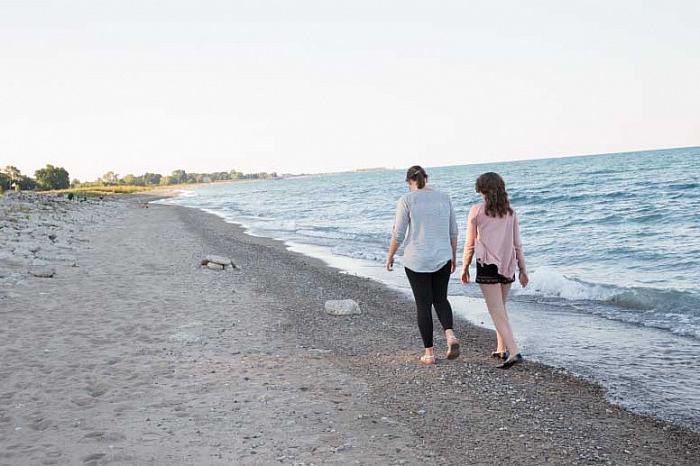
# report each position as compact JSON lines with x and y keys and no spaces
{"x":493,"y":235}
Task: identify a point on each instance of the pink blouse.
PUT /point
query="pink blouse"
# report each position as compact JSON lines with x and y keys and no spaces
{"x":495,"y":240}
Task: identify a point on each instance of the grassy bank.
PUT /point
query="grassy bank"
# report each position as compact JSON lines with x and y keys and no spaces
{"x":103,"y":190}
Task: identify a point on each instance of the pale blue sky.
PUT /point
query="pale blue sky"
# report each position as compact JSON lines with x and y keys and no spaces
{"x":310,"y":86}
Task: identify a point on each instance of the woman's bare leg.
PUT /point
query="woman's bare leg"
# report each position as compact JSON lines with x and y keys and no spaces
{"x":500,"y":343}
{"x":493,"y":294}
{"x":505,"y":288}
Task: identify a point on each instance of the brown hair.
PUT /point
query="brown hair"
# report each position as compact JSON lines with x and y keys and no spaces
{"x":417,"y":174}
{"x":492,"y":186}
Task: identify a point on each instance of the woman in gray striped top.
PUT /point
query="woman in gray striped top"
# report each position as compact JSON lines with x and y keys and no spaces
{"x":425,"y":222}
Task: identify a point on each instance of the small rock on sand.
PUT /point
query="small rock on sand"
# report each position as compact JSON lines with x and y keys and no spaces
{"x":42,"y":272}
{"x":215,"y":266}
{"x":342,"y":307}
{"x":219,"y":260}
{"x":32,"y":247}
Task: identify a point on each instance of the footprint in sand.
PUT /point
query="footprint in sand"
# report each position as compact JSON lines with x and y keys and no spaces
{"x":41,"y":424}
{"x":83,"y":401}
{"x":149,"y":437}
{"x":101,"y":436}
{"x":93,"y":457}
{"x":52,"y":457}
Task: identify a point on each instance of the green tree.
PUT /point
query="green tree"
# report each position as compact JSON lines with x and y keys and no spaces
{"x":178,"y":176}
{"x":52,"y":178}
{"x":4,"y":182}
{"x":110,"y":178}
{"x":27,"y":183}
{"x":151,"y":178}
{"x":12,"y":172}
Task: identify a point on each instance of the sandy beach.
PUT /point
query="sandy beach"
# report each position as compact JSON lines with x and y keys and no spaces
{"x":117,"y":347}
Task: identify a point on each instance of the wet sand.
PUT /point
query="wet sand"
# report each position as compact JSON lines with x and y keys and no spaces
{"x":134,"y":354}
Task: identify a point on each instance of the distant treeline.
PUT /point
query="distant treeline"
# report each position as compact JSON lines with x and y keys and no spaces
{"x":51,"y":177}
{"x":177,"y":177}
{"x":46,"y":178}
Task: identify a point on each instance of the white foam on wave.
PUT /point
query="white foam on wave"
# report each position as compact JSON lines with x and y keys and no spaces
{"x":185,"y":193}
{"x":254,"y":222}
{"x":646,"y":307}
{"x":325,"y":234}
{"x":216,"y":212}
{"x":281,"y":225}
{"x":364,"y":254}
{"x":552,"y":284}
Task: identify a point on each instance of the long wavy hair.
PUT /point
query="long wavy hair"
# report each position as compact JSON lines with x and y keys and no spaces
{"x":492,"y":186}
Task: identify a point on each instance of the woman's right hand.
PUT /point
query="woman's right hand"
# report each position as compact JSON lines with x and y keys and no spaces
{"x":464,"y":277}
{"x":389,"y":263}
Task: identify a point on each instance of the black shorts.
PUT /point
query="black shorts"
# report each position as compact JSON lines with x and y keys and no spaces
{"x":488,"y":274}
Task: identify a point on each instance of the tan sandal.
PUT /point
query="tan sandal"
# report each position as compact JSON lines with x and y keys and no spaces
{"x":452,"y":348}
{"x":427,"y":360}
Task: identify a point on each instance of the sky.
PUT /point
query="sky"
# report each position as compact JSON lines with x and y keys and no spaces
{"x":301,"y":86}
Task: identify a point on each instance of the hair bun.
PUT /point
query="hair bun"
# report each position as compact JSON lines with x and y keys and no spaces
{"x":417,"y":173}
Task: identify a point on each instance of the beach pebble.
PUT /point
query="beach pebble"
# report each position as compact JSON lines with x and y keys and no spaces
{"x":214,"y":266}
{"x":23,"y":252}
{"x":218,"y":260}
{"x":32,"y":247}
{"x":42,"y":272}
{"x":343,"y":307}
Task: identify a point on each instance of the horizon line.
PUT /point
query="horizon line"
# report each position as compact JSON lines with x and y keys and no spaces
{"x":280,"y":174}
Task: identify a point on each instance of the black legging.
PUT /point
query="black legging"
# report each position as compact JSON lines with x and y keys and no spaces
{"x":430,"y":289}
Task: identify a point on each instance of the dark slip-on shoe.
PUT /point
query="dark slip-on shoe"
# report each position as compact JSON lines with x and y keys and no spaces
{"x":517,"y":359}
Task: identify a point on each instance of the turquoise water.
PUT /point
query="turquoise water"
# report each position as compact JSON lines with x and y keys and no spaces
{"x":610,"y":238}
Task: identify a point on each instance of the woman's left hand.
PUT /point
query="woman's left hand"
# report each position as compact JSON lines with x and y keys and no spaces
{"x":524,"y":279}
{"x":453,"y":267}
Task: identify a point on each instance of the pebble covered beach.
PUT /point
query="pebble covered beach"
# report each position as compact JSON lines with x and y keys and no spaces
{"x":119,"y":347}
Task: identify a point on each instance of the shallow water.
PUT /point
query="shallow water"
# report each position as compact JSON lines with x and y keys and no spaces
{"x":612,"y":245}
{"x":645,"y":369}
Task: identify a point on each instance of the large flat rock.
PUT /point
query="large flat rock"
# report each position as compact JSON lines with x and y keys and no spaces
{"x":342,"y":307}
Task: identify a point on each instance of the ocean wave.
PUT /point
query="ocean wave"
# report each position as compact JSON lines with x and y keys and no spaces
{"x":673,"y":310}
{"x":552,"y":284}
{"x":603,"y":171}
{"x":365,"y":253}
{"x":274,"y":225}
{"x":185,"y":193}
{"x":683,"y":186}
{"x":327,"y":234}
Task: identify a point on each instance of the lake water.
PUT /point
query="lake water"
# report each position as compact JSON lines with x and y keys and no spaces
{"x":612,"y":243}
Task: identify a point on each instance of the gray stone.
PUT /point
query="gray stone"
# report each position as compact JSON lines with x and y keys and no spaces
{"x":32,"y":247}
{"x":215,"y":266}
{"x":219,"y":259}
{"x":20,"y":252}
{"x":42,"y":272}
{"x":343,"y":307}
